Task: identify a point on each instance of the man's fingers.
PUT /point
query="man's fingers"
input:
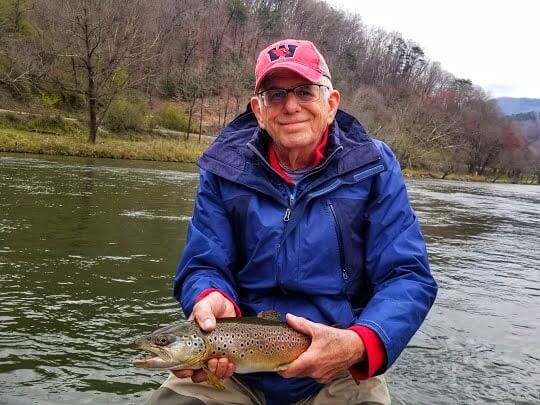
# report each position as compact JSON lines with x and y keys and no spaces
{"x":182,"y":373}
{"x":299,"y":367}
{"x":300,"y":324}
{"x":199,"y":376}
{"x":212,"y":365}
{"x":204,"y":316}
{"x":222,"y":366}
{"x":231,"y":368}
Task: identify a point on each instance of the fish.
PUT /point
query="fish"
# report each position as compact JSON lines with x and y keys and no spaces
{"x":254,"y":344}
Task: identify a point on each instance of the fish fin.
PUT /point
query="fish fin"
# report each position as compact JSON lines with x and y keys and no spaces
{"x":213,"y":379}
{"x":269,"y":315}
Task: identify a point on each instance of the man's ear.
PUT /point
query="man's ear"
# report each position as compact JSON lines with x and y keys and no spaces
{"x":257,"y":110}
{"x":333,"y":104}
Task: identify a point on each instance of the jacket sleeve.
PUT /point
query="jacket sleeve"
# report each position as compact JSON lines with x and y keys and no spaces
{"x":209,"y":254}
{"x":396,"y":263}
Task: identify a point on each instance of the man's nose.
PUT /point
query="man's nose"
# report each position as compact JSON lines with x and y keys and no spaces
{"x":291,"y":102}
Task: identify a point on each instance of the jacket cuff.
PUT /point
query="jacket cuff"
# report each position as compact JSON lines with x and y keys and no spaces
{"x":375,"y":354}
{"x":208,"y":291}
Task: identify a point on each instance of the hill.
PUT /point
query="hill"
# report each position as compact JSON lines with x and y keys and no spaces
{"x":511,"y":106}
{"x":529,"y":125}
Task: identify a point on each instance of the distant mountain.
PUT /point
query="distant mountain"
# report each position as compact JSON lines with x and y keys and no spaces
{"x":529,"y":125}
{"x":510,"y":106}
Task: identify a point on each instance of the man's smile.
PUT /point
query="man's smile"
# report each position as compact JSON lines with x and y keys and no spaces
{"x":293,"y":122}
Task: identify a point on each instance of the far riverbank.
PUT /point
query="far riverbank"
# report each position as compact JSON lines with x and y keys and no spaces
{"x":133,"y":147}
{"x":163,"y":149}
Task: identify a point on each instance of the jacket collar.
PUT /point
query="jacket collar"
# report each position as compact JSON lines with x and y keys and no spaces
{"x":239,"y":153}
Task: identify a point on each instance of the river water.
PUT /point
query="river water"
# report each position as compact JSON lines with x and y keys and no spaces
{"x":88,"y":248}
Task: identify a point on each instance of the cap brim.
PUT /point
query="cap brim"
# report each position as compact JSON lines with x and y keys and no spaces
{"x":304,"y":71}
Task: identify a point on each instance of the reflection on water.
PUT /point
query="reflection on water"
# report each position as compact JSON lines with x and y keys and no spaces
{"x":88,"y":248}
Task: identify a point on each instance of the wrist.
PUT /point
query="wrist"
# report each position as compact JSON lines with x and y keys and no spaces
{"x":358,"y":350}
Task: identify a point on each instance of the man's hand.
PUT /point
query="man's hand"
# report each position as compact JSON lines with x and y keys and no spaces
{"x":332,"y":351}
{"x":205,"y":312}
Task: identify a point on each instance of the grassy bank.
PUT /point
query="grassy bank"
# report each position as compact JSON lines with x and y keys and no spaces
{"x":416,"y":173}
{"x":147,"y":147}
{"x":140,"y":147}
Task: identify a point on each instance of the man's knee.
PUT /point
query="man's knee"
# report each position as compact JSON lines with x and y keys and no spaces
{"x":166,"y":396}
{"x":344,"y":390}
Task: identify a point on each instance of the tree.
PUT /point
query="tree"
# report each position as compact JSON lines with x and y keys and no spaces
{"x":104,"y":42}
{"x":17,"y":66}
{"x":191,"y":86}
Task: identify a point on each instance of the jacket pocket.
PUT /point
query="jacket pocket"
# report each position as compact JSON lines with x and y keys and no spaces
{"x":341,"y":245}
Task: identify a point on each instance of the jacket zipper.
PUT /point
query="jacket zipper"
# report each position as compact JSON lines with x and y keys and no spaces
{"x":292,"y":197}
{"x":344,"y":272}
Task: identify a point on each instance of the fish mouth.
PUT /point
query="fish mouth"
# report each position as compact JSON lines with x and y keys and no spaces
{"x":151,"y":360}
{"x":152,"y":357}
{"x":142,"y":358}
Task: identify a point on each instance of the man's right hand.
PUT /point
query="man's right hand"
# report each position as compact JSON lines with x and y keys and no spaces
{"x":205,"y":312}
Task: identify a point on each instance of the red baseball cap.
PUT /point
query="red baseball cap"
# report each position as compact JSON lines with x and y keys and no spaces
{"x":297,"y":55}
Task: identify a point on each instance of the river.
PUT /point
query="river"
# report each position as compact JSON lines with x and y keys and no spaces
{"x":88,"y":248}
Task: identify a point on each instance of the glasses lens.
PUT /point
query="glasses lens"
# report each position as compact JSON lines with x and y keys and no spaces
{"x":275,"y":96}
{"x":307,"y":92}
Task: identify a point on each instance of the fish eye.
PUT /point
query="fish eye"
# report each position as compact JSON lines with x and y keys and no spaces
{"x":161,"y":340}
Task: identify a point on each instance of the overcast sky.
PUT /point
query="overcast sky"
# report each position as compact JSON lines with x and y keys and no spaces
{"x":494,"y":43}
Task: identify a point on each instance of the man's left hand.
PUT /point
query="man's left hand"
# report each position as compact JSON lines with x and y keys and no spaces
{"x":332,"y":351}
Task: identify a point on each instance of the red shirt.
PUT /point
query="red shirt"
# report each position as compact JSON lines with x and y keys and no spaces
{"x":319,"y":155}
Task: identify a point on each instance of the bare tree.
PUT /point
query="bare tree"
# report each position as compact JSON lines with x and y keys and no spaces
{"x":103,"y":42}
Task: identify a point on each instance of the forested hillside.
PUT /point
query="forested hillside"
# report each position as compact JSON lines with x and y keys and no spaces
{"x":116,"y":60}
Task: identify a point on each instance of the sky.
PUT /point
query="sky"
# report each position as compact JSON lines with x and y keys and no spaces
{"x":496,"y":43}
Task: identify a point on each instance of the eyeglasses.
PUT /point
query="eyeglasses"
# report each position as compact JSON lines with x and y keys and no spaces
{"x":304,"y":93}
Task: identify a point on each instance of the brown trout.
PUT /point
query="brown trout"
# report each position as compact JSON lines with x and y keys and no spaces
{"x":253,"y":344}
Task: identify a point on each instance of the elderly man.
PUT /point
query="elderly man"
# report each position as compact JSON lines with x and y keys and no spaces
{"x":300,"y":212}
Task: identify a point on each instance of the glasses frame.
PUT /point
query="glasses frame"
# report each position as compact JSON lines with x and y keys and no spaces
{"x":288,"y":90}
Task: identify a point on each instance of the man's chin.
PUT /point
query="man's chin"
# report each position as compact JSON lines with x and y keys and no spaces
{"x":295,"y":144}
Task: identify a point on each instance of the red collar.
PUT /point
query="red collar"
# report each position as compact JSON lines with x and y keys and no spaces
{"x":319,"y":155}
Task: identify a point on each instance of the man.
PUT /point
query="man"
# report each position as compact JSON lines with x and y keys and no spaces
{"x":300,"y":212}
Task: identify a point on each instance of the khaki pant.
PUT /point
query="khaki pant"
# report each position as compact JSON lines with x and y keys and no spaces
{"x":342,"y":391}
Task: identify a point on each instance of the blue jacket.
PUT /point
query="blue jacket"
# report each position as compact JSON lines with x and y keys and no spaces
{"x":344,"y":247}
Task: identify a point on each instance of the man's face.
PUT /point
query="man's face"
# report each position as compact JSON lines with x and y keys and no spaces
{"x":294,"y":124}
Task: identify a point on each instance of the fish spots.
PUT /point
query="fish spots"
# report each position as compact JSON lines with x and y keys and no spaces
{"x":249,"y":343}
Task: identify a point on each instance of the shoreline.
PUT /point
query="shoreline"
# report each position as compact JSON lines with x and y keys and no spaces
{"x":163,"y":149}
{"x":129,"y":147}
{"x":466,"y":177}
